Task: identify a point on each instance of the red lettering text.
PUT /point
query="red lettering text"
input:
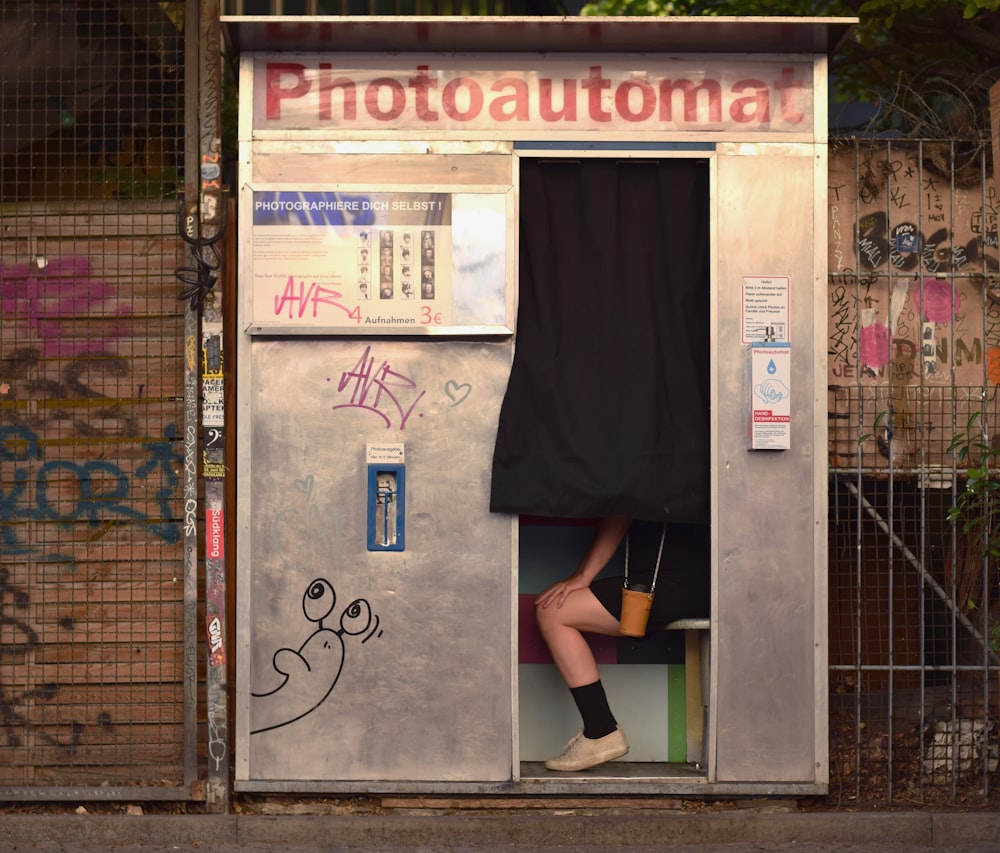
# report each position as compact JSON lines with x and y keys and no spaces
{"x":277,"y":73}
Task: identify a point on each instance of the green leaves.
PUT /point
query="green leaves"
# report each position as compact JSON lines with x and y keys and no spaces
{"x":977,"y":505}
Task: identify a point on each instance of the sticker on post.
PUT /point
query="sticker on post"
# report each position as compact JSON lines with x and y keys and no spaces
{"x":770,"y":392}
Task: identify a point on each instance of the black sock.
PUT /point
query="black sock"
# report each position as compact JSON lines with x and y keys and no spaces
{"x":592,"y":703}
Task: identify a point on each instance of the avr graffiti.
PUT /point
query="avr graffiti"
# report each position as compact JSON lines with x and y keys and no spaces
{"x":381,"y":390}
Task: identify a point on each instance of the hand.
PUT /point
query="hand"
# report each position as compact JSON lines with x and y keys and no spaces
{"x":557,"y":593}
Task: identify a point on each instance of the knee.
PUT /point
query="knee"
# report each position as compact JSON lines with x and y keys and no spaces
{"x":548,"y":618}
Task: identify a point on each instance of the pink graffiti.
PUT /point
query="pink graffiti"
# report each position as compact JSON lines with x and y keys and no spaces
{"x":377,"y":389}
{"x":48,"y":302}
{"x":873,"y":345}
{"x":940,"y":303}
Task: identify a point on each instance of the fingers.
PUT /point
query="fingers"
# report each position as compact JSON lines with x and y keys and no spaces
{"x":556,"y":593}
{"x":553,"y":593}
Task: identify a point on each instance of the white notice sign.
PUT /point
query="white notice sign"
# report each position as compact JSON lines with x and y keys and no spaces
{"x":765,"y":308}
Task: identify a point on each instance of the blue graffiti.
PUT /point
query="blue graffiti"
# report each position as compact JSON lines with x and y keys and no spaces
{"x":35,"y":489}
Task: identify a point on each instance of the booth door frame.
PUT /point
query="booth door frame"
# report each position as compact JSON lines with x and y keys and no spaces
{"x":659,"y":771}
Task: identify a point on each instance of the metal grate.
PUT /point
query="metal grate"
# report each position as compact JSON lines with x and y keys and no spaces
{"x":92,"y":668}
{"x":913,"y":405}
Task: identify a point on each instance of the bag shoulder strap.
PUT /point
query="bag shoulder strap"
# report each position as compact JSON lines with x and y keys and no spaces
{"x":659,"y":554}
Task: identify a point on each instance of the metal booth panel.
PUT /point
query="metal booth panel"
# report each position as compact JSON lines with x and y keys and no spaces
{"x":768,"y":645}
{"x":376,"y":588}
{"x":385,"y":664}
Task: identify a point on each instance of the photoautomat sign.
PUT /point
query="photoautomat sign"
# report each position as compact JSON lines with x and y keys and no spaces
{"x":483,"y":97}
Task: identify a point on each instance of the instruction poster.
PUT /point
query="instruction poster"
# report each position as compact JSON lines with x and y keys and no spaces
{"x":352,"y":261}
{"x":765,"y":308}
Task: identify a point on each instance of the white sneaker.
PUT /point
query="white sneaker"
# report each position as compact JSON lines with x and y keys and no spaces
{"x":584,"y":752}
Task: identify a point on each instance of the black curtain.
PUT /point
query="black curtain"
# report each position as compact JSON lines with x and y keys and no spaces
{"x":606,"y":409}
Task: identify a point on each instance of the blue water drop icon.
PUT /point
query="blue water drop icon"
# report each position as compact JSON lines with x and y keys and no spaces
{"x":772,"y":368}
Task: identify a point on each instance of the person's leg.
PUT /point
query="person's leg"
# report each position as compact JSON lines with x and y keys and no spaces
{"x":562,"y":627}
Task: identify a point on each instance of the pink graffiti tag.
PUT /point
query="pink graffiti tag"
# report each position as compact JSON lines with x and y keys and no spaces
{"x":50,"y":300}
{"x":939,"y":304}
{"x":299,"y":301}
{"x":873,"y":345}
{"x":374,"y":389}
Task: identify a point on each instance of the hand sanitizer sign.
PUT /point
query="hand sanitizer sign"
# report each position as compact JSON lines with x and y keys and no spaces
{"x":770,"y":394}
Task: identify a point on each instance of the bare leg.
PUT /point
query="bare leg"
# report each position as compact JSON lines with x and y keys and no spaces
{"x":601,"y":739}
{"x":564,"y":611}
{"x":562,"y":629}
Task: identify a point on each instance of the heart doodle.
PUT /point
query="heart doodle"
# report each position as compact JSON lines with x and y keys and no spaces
{"x":305,"y":485}
{"x":457,"y":393}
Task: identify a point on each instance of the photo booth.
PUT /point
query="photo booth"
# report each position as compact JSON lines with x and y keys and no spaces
{"x":417,"y":199}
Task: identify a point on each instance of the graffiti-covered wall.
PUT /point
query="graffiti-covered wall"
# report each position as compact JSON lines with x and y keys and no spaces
{"x":91,"y":477}
{"x":914,"y":313}
{"x":914,"y":364}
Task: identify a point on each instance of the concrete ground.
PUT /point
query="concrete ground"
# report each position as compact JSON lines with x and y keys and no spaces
{"x":735,"y":831}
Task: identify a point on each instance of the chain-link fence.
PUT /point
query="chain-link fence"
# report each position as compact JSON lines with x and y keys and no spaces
{"x":95,"y":683}
{"x":914,"y":425}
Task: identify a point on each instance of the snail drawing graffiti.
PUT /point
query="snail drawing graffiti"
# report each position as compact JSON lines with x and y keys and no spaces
{"x":309,"y":673}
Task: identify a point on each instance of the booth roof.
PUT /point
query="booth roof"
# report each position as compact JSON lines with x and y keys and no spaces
{"x":775,"y":35}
